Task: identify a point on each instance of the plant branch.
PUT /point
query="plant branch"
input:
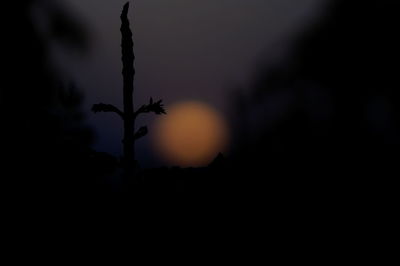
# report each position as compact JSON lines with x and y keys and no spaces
{"x":152,"y":107}
{"x":101,"y":107}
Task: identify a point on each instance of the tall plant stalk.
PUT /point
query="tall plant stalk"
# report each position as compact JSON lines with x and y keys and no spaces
{"x":129,"y":114}
{"x":128,"y":74}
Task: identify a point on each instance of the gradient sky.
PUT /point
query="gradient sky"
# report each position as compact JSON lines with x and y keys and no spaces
{"x":185,"y":50}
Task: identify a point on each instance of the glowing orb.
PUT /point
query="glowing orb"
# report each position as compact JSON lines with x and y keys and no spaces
{"x":190,"y":135}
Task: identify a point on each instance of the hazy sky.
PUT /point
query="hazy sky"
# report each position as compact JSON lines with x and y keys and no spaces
{"x":185,"y":50}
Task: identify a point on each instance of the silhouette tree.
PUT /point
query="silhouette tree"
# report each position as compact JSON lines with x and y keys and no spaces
{"x":329,"y":112}
{"x":47,"y":163}
{"x":43,"y":126}
{"x":129,"y":114}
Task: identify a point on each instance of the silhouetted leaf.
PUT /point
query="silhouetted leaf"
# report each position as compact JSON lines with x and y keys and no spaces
{"x":141,"y":132}
{"x":101,"y":107}
{"x":152,"y":107}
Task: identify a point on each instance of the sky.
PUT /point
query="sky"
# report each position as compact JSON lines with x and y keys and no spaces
{"x":185,"y":50}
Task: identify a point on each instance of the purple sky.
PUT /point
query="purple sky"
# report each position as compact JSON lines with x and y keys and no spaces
{"x":185,"y":50}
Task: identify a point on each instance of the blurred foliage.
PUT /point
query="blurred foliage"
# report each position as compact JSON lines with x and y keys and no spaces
{"x":45,"y":141}
{"x":333,"y":105}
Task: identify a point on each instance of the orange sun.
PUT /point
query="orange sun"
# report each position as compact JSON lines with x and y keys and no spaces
{"x":190,"y":135}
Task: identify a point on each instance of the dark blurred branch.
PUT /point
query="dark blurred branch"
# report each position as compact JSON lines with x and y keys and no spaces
{"x":66,"y":27}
